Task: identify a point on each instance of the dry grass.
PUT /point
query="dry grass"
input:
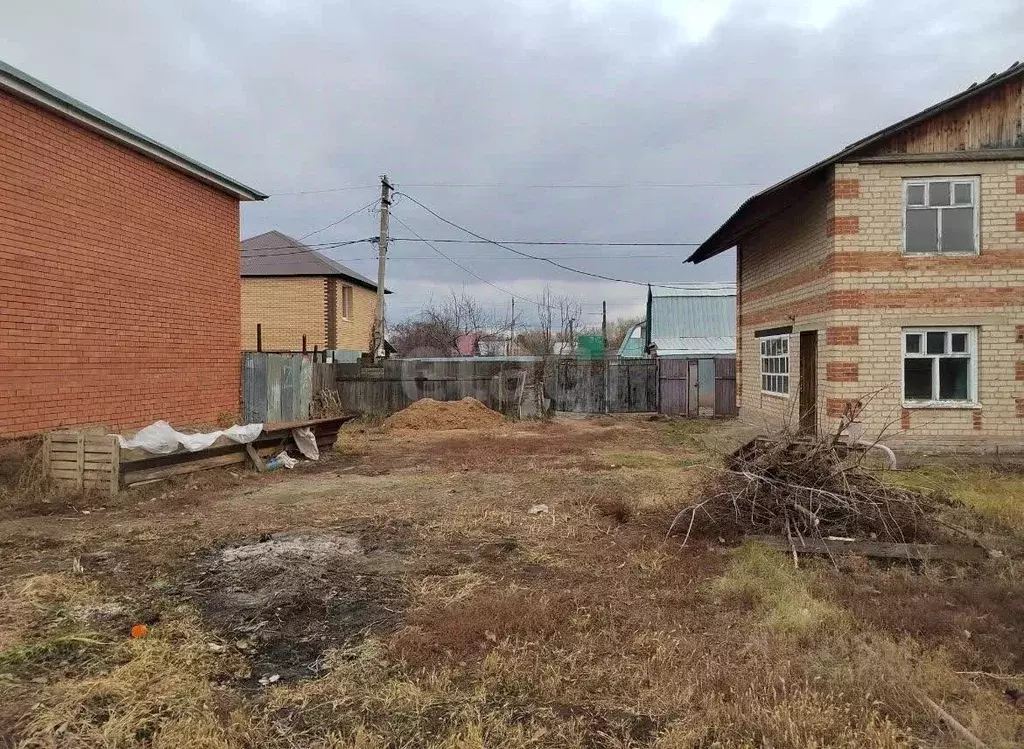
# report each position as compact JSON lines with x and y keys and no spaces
{"x":24,"y":479}
{"x":779,"y":594}
{"x":997,"y":494}
{"x":581,"y":627}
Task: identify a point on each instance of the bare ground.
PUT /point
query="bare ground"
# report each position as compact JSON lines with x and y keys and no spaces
{"x":400,"y":595}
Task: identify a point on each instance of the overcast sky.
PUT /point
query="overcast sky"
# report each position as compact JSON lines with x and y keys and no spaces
{"x":304,"y":96}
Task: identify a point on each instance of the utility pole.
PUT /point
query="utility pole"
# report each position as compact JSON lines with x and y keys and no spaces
{"x":377,"y":339}
{"x":604,"y":325}
{"x":511,"y":330}
{"x":604,"y":351}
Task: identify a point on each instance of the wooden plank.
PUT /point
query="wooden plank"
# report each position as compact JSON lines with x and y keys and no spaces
{"x":218,"y":461}
{"x":255,"y":458}
{"x":878,"y":549}
{"x":115,"y":466}
{"x":71,"y":474}
{"x":69,"y":464}
{"x":63,"y":447}
{"x":81,"y":458}
{"x":103,"y":476}
{"x":988,"y":154}
{"x":70,"y":438}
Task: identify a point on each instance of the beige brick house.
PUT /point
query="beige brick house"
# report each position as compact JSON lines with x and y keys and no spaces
{"x":888,"y":281}
{"x":290,"y":290}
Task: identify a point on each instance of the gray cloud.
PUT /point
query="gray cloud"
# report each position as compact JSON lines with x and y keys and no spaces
{"x":295,"y":96}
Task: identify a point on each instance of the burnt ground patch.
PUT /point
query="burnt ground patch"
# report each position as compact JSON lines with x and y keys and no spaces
{"x":284,"y":599}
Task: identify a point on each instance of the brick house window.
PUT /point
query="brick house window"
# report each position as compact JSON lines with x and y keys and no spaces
{"x":940,"y":366}
{"x":346,"y":302}
{"x":775,"y":365}
{"x":940,"y":215}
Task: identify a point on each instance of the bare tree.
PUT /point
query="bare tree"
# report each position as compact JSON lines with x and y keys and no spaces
{"x":570,"y":314}
{"x":559,"y":320}
{"x":440,"y":326}
{"x":619,"y":329}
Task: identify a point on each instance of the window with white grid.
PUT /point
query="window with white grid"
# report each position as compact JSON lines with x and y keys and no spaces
{"x":775,"y":364}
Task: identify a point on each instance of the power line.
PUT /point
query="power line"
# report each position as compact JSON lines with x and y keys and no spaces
{"x":534,"y":186}
{"x":585,"y":186}
{"x":533,"y":257}
{"x":340,"y":220}
{"x":547,"y":243}
{"x":320,"y":192}
{"x":467,"y":270}
{"x":258,"y":253}
{"x":506,"y":259}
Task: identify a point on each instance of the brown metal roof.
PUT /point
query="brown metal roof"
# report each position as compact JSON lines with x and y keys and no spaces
{"x":277,"y":254}
{"x":768,"y":203}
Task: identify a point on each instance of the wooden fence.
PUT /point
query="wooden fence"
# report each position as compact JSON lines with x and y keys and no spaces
{"x":280,"y":387}
{"x":500,"y":385}
{"x":599,"y":386}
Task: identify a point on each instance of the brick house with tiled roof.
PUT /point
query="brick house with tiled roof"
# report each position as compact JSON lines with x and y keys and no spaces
{"x":887,"y":281}
{"x":119,"y":282}
{"x":297,"y":294}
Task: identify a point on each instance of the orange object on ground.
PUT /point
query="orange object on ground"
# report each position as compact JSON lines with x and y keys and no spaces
{"x":139,"y":630}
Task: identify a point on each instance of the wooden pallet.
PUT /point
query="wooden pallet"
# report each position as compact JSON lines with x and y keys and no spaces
{"x":80,"y":460}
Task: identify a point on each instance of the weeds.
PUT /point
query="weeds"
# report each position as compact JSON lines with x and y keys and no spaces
{"x":995,"y":494}
{"x":778,"y":592}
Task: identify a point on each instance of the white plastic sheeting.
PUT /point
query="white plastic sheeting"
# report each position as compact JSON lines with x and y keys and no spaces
{"x":161,"y":438}
{"x":306,"y":442}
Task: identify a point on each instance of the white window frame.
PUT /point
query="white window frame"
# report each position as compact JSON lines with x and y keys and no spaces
{"x":976,"y":204}
{"x":346,"y":308}
{"x":972,"y":371}
{"x":783,"y":376}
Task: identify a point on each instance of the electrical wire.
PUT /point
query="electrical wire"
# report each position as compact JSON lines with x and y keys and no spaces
{"x":537,"y":186}
{"x":505,"y":259}
{"x":535,"y":257}
{"x":340,"y":220}
{"x":467,"y":270}
{"x":248,"y":254}
{"x":584,"y":186}
{"x":550,"y":243}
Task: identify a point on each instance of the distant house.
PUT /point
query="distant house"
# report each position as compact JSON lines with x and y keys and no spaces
{"x":291,"y":290}
{"x":886,"y":283}
{"x":118,"y":271}
{"x":693,"y":321}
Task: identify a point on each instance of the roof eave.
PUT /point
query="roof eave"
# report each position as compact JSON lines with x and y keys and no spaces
{"x":30,"y":89}
{"x":354,"y":281}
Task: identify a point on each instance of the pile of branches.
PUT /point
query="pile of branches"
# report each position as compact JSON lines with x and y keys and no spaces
{"x":808,"y":489}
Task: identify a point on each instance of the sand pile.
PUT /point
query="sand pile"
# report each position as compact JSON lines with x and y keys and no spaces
{"x":427,"y":413}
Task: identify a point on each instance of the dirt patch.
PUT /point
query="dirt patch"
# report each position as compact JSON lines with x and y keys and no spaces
{"x":473,"y":626}
{"x":427,"y":413}
{"x":284,"y":599}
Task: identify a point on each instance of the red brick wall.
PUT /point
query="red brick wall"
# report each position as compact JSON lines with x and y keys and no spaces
{"x":119,"y":283}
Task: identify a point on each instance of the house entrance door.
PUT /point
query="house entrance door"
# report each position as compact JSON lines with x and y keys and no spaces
{"x":809,"y":382}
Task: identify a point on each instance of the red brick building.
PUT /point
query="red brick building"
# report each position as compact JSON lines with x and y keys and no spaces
{"x":119,"y":271}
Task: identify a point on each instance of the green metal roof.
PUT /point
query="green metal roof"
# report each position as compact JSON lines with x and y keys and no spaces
{"x":24,"y":86}
{"x":632,"y":346}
